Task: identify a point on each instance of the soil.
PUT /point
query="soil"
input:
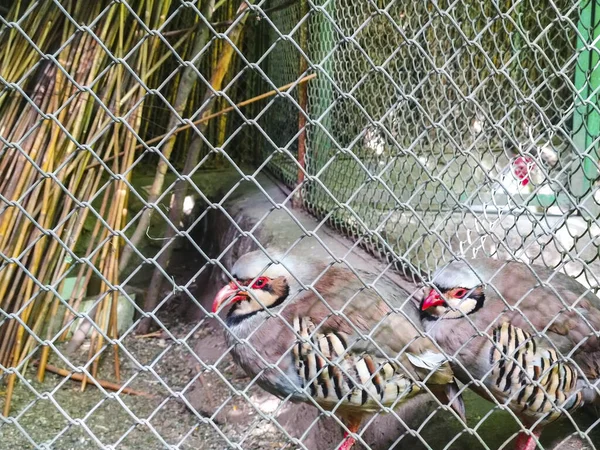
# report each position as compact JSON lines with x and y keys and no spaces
{"x":209,"y":403}
{"x":56,"y":414}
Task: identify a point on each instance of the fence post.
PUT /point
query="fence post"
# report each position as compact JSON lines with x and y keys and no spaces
{"x":302,"y":101}
{"x":586,"y":119}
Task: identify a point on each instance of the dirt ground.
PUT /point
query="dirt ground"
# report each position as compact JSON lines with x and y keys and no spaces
{"x":186,"y":410}
{"x":56,"y":413}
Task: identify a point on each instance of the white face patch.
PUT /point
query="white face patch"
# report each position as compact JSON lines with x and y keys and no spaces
{"x":456,"y":307}
{"x":265,"y":299}
{"x":459,"y":307}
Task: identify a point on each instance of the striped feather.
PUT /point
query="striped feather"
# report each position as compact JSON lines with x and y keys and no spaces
{"x":531,"y":379}
{"x":332,"y":373}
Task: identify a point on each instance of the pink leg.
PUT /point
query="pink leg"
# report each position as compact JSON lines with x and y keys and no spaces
{"x":353,"y":424}
{"x":526,"y":441}
{"x":347,"y":443}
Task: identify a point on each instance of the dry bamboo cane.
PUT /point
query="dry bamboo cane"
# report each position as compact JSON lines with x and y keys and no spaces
{"x":21,"y":230}
{"x":145,"y":76}
{"x":107,"y":261}
{"x":96,"y":338}
{"x":57,"y":274}
{"x":108,"y":265}
{"x":187,"y":81}
{"x":12,"y":33}
{"x":8,"y":275}
{"x":112,"y":329}
{"x":14,"y":191}
{"x":13,"y":217}
{"x":77,"y":124}
{"x":75,"y":230}
{"x":49,"y":304}
{"x":43,"y":219}
{"x":302,"y":101}
{"x":216,"y":82}
{"x":49,"y":159}
{"x":7,"y":165}
{"x":26,"y":61}
{"x":80,"y":293}
{"x":231,"y":108}
{"x":12,"y":294}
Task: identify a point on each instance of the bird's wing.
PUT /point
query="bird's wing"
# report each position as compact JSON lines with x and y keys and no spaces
{"x":379,"y":322}
{"x":559,"y":308}
{"x":333,"y":372}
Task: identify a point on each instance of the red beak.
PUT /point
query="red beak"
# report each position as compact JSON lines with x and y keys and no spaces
{"x":229,"y":293}
{"x":433,"y":299}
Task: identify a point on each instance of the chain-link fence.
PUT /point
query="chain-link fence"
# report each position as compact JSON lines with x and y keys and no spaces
{"x":423,"y":111}
{"x":146,"y":146}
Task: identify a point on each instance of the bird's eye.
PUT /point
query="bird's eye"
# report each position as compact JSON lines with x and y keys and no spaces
{"x":259,"y":283}
{"x":460,"y":293}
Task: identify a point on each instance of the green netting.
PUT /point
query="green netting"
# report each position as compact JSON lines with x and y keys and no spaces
{"x":421,"y":109}
{"x":283,"y":68}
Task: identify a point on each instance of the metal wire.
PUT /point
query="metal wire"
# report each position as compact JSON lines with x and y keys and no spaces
{"x":435,"y":130}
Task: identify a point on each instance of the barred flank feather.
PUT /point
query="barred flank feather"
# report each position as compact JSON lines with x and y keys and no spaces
{"x":331,"y":372}
{"x":532,"y":378}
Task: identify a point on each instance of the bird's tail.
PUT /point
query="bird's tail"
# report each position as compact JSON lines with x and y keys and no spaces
{"x":432,"y":367}
{"x":435,"y":370}
{"x":449,"y":394}
{"x":590,"y":396}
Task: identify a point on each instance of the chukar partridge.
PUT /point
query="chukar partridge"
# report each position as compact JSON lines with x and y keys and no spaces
{"x":355,"y":352}
{"x":539,"y":346}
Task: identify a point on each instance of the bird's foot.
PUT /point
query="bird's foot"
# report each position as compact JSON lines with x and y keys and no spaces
{"x":347,"y":443}
{"x":527,"y":441}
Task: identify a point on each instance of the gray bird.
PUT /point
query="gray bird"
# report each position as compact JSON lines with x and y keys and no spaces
{"x":524,"y":335}
{"x":357,"y":351}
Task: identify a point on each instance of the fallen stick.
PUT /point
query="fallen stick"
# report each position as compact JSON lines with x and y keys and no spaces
{"x":154,"y":334}
{"x":212,"y":116}
{"x":229,"y":109}
{"x":105,"y":384}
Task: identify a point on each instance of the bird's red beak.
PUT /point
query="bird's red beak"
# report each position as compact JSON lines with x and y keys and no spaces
{"x":229,"y":293}
{"x":433,"y":299}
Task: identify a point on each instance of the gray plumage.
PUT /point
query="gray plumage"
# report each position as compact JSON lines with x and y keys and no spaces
{"x":360,"y":348}
{"x":540,"y":334}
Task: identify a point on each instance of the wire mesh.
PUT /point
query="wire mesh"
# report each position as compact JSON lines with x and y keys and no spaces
{"x":433,"y":131}
{"x":427,"y":105}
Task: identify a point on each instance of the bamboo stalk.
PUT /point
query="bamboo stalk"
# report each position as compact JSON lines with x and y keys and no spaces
{"x":216,"y":82}
{"x":48,"y":160}
{"x":110,"y":248}
{"x":77,"y":117}
{"x":303,"y":102}
{"x":50,"y":148}
{"x":183,"y":91}
{"x":103,"y":307}
{"x":13,"y":351}
{"x":78,"y":295}
{"x":114,"y":267}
